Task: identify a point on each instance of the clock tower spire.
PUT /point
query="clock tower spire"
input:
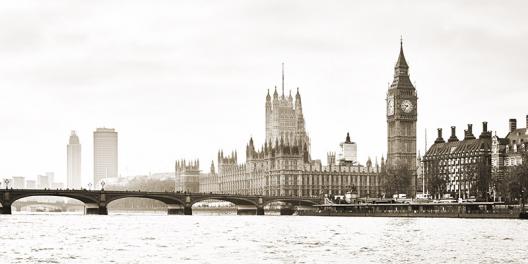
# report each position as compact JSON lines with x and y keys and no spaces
{"x":402,"y":113}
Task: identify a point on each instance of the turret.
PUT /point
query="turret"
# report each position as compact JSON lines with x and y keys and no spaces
{"x":268,"y":102}
{"x":212,"y":169}
{"x":298,"y":103}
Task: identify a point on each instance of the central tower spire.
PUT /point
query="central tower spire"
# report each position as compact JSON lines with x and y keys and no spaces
{"x":283,"y":80}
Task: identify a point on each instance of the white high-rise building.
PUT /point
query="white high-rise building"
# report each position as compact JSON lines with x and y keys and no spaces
{"x":105,"y":154}
{"x":74,"y":162}
{"x":347,"y":152}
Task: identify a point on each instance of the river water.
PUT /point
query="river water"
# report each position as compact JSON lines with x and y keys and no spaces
{"x":160,"y":238}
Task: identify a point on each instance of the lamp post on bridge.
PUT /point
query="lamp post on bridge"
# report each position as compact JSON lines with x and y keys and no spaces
{"x":102,"y":185}
{"x":6,"y":181}
{"x":90,"y":186}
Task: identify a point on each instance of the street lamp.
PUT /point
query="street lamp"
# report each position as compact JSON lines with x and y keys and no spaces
{"x":522,"y":199}
{"x":6,"y":181}
{"x":90,"y":186}
{"x":102,"y":185}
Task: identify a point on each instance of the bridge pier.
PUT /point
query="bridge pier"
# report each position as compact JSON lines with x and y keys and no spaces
{"x":96,"y":210}
{"x":287,"y":209}
{"x":247,"y":210}
{"x":175,"y":209}
{"x":178,"y":209}
{"x":260,"y":210}
{"x":5,"y":209}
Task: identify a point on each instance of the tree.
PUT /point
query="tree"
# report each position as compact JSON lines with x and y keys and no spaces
{"x":516,"y":180}
{"x":397,"y":179}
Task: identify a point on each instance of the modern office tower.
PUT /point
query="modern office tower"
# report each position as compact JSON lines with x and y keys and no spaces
{"x":347,"y":152}
{"x":43,"y":181}
{"x":73,"y":179}
{"x":31,"y":184}
{"x":105,"y":154}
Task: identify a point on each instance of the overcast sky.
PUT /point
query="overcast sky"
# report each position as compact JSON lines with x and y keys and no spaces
{"x":182,"y":79}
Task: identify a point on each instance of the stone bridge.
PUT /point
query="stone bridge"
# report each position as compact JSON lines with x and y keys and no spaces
{"x":177,"y":203}
{"x":57,"y":205}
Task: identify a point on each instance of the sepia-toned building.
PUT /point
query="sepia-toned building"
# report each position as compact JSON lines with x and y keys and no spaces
{"x":105,"y":154}
{"x":459,"y":168}
{"x":209,"y":182}
{"x":402,"y":114}
{"x":187,"y":176}
{"x":507,"y":153}
{"x":283,"y":169}
{"x":73,"y":162}
{"x":283,"y":165}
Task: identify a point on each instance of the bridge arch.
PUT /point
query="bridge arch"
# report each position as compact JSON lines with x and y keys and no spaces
{"x":244,"y":205}
{"x":80,"y":197}
{"x":233,"y":200}
{"x":174,"y":205}
{"x":166,"y":199}
{"x":13,"y":197}
{"x":294,"y":202}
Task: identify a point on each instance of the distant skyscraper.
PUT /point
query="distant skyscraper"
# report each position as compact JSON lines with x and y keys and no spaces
{"x":105,"y":154}
{"x":31,"y":184}
{"x":19,"y":182}
{"x":347,"y":152}
{"x":43,"y":181}
{"x":74,"y":162}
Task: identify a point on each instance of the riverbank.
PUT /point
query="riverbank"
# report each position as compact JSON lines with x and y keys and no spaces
{"x":417,"y":215}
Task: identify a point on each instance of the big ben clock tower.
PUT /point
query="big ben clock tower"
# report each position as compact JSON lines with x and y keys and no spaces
{"x":402,"y":113}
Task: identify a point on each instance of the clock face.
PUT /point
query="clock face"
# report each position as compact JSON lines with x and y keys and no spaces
{"x":390,"y":106}
{"x":407,"y":106}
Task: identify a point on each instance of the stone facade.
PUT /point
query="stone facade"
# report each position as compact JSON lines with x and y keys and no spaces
{"x":187,"y":176}
{"x":284,"y":118}
{"x":402,"y":113}
{"x":283,"y":165}
{"x":508,"y":152}
{"x":208,"y":183}
{"x":459,"y":168}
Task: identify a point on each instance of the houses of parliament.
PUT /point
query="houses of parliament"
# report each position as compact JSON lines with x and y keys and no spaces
{"x":283,"y":164}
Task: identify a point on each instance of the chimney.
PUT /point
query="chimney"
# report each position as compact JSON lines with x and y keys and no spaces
{"x":453,"y":137}
{"x":513,"y":124}
{"x":439,"y":139}
{"x":485,"y":133}
{"x":469,"y":132}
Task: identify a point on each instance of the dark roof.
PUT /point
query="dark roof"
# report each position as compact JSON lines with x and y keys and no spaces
{"x":401,"y":63}
{"x":459,"y":147}
{"x":401,"y":76}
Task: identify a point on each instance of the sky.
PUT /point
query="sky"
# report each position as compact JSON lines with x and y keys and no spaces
{"x":183,"y":79}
